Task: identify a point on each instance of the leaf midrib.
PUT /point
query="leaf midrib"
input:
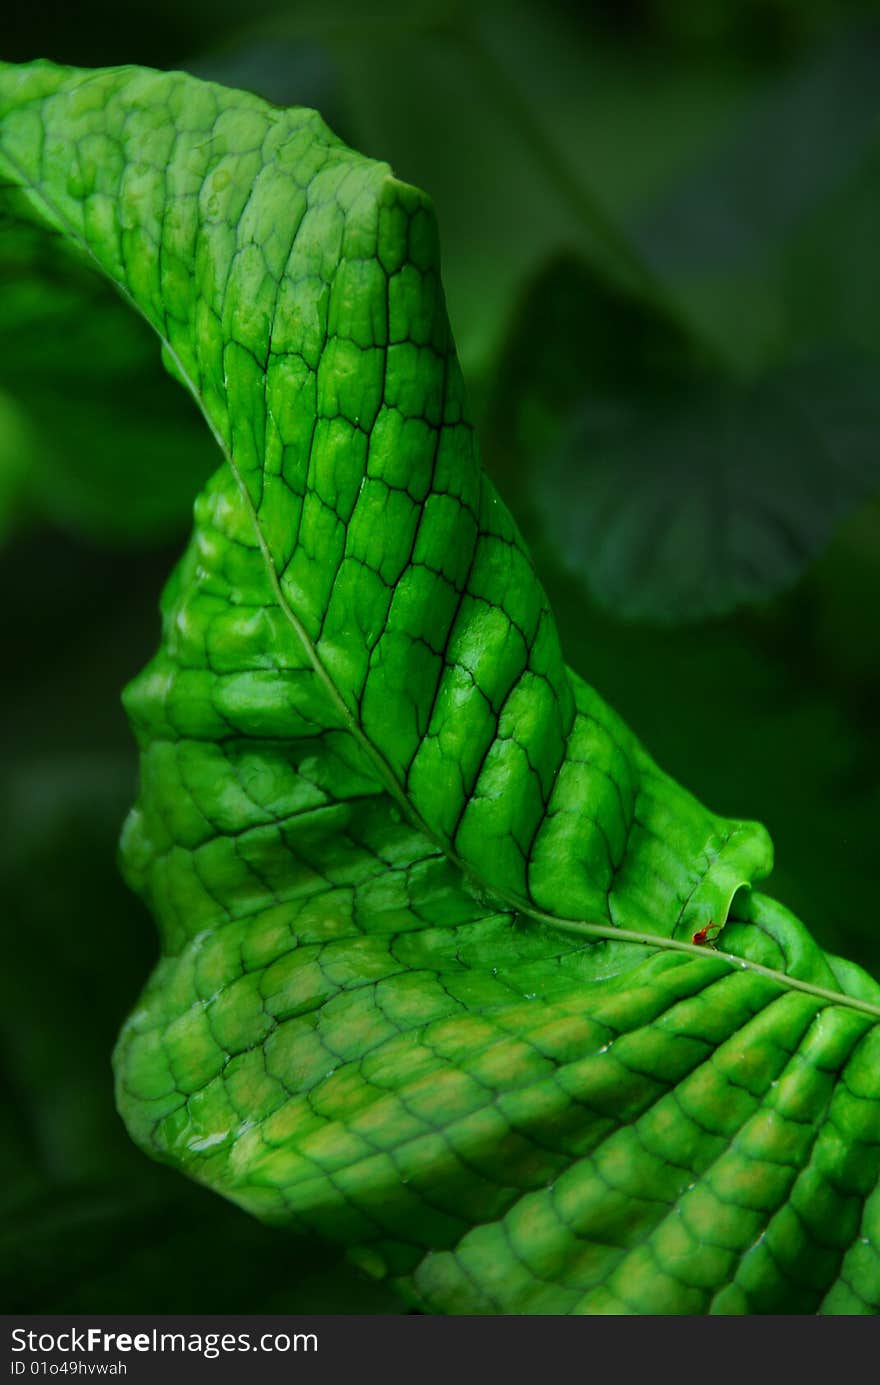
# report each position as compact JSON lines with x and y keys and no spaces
{"x":579,"y":927}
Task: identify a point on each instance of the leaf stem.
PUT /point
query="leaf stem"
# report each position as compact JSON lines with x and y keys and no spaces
{"x":665,"y":944}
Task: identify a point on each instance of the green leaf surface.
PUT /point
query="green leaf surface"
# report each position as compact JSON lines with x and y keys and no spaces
{"x":675,"y":492}
{"x":428,"y":986}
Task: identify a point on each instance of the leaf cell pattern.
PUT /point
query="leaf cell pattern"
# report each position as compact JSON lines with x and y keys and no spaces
{"x":389,"y":838}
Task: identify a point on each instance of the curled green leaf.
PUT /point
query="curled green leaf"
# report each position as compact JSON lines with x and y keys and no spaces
{"x":428,"y":984}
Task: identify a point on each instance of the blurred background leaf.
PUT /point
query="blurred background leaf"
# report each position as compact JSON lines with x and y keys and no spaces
{"x":659,"y":224}
{"x":676,"y":491}
{"x":101,"y":445}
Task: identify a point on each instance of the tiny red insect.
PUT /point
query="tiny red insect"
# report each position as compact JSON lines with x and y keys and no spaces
{"x":701,"y":937}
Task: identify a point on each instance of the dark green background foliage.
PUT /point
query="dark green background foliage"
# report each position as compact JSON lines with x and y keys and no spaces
{"x":659,"y":226}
